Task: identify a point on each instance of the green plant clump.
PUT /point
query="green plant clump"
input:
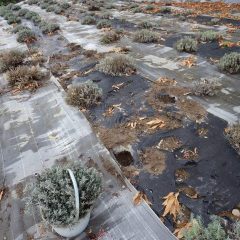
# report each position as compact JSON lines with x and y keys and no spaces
{"x":110,"y":37}
{"x":53,"y":193}
{"x":22,"y":12}
{"x":31,"y":14}
{"x":11,"y":59}
{"x":145,"y":25}
{"x":137,"y":10}
{"x":26,"y":36}
{"x":117,"y":65}
{"x":23,"y":75}
{"x":215,"y":230}
{"x":20,"y":28}
{"x":186,"y":44}
{"x":208,"y":36}
{"x":232,"y":132}
{"x":149,"y":7}
{"x":165,"y":10}
{"x":13,"y":19}
{"x":88,"y":20}
{"x":31,"y":2}
{"x":84,"y":95}
{"x":103,"y":24}
{"x":48,"y":27}
{"x":146,"y":36}
{"x":230,"y":63}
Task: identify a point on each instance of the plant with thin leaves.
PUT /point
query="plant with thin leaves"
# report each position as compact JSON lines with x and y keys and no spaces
{"x":186,"y":44}
{"x":232,"y":133}
{"x":230,"y":63}
{"x":103,"y":24}
{"x":208,"y":36}
{"x":117,"y":65}
{"x":110,"y":37}
{"x":146,"y":36}
{"x":89,"y":20}
{"x":53,"y":193}
{"x":11,"y":59}
{"x":26,"y":36}
{"x":22,"y":76}
{"x":84,"y":95}
{"x":145,"y":25}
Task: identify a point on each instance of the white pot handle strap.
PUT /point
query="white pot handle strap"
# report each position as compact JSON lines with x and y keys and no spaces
{"x":76,"y":192}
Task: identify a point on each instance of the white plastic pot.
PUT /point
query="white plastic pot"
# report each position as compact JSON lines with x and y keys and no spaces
{"x":74,"y":230}
{"x":81,"y":223}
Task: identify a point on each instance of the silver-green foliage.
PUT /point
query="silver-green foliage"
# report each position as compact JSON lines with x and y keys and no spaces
{"x":232,"y":132}
{"x":145,"y":25}
{"x":146,"y":36}
{"x":89,"y":20}
{"x":103,"y":24}
{"x":213,"y":231}
{"x":117,"y":65}
{"x":53,"y":193}
{"x":208,"y":36}
{"x":186,"y":44}
{"x":84,"y":95}
{"x":205,"y":87}
{"x":230,"y":62}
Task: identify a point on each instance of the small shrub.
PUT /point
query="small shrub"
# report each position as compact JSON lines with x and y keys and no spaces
{"x":145,"y":36}
{"x":145,"y":25}
{"x":31,"y":2}
{"x":23,"y":12}
{"x":51,"y":8}
{"x":103,"y":24}
{"x":214,"y":21}
{"x":165,"y":10}
{"x":3,"y":11}
{"x":8,"y":15}
{"x":186,"y":44}
{"x":93,"y":8}
{"x":44,"y":5}
{"x":26,"y":36}
{"x":133,"y":5}
{"x":85,"y":95}
{"x":208,"y":36}
{"x":22,"y":76}
{"x":110,"y":37}
{"x":48,"y":27}
{"x":89,"y":20}
{"x":109,"y":6}
{"x":11,"y":59}
{"x":230,"y":62}
{"x":137,"y":10}
{"x":106,"y":15}
{"x":13,"y":19}
{"x":36,"y":20}
{"x":15,"y":8}
{"x":232,"y":132}
{"x":20,"y":28}
{"x":58,"y":10}
{"x":29,"y":15}
{"x":65,"y":5}
{"x":53,"y":193}
{"x":205,"y":87}
{"x":117,"y":65}
{"x":214,"y":230}
{"x":149,"y":7}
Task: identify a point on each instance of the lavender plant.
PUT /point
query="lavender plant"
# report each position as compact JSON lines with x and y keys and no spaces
{"x":53,"y":193}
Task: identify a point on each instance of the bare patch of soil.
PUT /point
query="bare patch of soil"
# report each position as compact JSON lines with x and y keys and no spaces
{"x":152,"y":124}
{"x":113,"y":137}
{"x":169,"y":144}
{"x":154,"y":160}
{"x":192,"y":110}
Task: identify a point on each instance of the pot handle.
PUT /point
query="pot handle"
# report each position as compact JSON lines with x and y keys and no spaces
{"x":76,"y":192}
